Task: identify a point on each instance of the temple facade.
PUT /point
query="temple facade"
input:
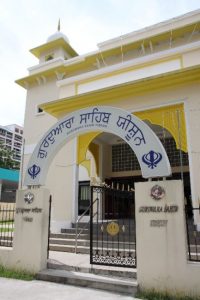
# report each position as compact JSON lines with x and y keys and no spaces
{"x":152,"y":73}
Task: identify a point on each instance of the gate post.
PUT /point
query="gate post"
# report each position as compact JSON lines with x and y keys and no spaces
{"x":161,"y":237}
{"x":31,"y":229}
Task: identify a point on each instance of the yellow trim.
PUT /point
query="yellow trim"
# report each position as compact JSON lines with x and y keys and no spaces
{"x":83,"y":143}
{"x":131,"y":68}
{"x":87,"y":164}
{"x":94,"y":149}
{"x":76,"y":89}
{"x":33,"y":78}
{"x":181,"y":60}
{"x":118,"y":93}
{"x":170,"y":117}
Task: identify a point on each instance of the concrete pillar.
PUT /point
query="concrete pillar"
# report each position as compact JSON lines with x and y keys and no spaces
{"x":75,"y":193}
{"x":61,"y":179}
{"x":31,"y":229}
{"x":161,"y":240}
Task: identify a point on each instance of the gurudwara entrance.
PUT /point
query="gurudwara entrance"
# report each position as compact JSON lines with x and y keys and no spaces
{"x":111,"y":207}
{"x":111,"y":138}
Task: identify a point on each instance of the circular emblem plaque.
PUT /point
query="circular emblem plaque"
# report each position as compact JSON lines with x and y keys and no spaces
{"x":157,"y":192}
{"x":112,"y":228}
{"x":28,"y":198}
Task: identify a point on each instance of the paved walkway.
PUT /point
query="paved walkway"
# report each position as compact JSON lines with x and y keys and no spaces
{"x":70,"y":259}
{"x":12,"y":289}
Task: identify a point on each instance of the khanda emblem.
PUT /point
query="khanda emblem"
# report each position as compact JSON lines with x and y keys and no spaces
{"x":152,"y":159}
{"x":34,"y":171}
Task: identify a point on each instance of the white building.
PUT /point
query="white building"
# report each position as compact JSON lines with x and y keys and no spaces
{"x":153,"y":73}
{"x":11,"y":136}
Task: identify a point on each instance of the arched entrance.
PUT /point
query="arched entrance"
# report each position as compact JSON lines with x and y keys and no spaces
{"x":150,"y":153}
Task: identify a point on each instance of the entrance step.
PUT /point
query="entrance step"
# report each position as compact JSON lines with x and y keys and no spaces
{"x":86,"y":242}
{"x":83,"y":236}
{"x":68,"y":248}
{"x":115,"y":284}
{"x":65,"y":242}
{"x":126,"y":222}
{"x":73,"y":230}
{"x":85,"y":249}
{"x":69,"y":236}
{"x":97,"y":269}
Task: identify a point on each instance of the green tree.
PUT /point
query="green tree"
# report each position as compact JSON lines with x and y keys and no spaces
{"x":6,"y":158}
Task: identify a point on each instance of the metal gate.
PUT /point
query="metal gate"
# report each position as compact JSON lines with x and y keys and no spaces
{"x":112,"y":227}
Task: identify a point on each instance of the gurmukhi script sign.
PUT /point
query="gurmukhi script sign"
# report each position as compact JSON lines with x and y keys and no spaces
{"x":150,"y":153}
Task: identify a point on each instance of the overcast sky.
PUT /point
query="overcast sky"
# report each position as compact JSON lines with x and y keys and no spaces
{"x":25,"y":24}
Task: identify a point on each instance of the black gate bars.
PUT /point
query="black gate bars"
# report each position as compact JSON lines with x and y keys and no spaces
{"x":193,"y":233}
{"x":112,"y":227}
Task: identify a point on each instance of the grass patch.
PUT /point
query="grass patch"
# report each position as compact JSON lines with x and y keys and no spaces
{"x":153,"y":295}
{"x":2,"y":229}
{"x":6,"y":222}
{"x":16,"y":274}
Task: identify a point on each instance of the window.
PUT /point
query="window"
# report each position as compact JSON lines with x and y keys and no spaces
{"x":174,"y":153}
{"x":123,"y":158}
{"x":49,"y":57}
{"x":83,"y":197}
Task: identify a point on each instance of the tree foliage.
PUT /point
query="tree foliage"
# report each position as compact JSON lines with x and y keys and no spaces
{"x":6,"y":158}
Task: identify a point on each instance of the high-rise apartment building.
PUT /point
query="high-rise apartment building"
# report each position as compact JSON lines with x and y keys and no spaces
{"x":11,"y":137}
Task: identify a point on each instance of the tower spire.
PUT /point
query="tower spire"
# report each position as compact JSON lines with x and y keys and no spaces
{"x":59,"y":24}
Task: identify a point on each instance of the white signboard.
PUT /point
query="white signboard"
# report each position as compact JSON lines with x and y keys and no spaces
{"x":150,"y":153}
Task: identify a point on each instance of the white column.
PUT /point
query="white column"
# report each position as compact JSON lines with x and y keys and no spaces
{"x":192,"y":128}
{"x":75,"y":185}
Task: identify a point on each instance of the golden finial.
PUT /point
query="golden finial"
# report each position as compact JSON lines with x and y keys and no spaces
{"x":59,"y":25}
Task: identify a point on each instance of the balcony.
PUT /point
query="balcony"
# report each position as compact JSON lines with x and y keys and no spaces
{"x":9,"y":135}
{"x":8,"y":142}
{"x":2,"y":132}
{"x":18,"y":138}
{"x":18,"y":145}
{"x":16,"y":157}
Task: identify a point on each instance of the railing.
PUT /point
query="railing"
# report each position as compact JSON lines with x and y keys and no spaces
{"x":7,"y":215}
{"x":85,"y":226}
{"x":49,"y":225}
{"x":193,"y":233}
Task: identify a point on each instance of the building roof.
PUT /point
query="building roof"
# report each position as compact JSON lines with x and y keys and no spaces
{"x":57,"y":35}
{"x":176,"y":25}
{"x":52,"y":43}
{"x":164,"y":34}
{"x":10,"y":175}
